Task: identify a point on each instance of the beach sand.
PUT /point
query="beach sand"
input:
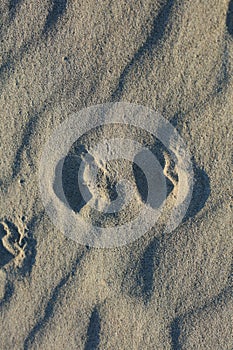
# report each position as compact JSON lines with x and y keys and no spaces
{"x":161,"y":291}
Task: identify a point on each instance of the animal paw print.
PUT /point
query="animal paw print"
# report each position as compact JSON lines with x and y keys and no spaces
{"x":13,"y":242}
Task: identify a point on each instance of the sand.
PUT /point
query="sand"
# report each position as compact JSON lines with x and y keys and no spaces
{"x":163,"y":290}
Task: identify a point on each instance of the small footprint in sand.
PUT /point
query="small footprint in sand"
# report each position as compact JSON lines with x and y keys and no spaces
{"x":13,"y":242}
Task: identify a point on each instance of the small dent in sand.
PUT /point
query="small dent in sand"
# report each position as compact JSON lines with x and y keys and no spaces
{"x":21,"y":181}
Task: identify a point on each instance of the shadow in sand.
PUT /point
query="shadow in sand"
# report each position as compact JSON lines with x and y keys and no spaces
{"x":49,"y":309}
{"x":57,"y":11}
{"x":175,"y":334}
{"x":201,"y":192}
{"x":5,"y":255}
{"x":93,"y":333}
{"x":13,"y":4}
{"x":149,"y":263}
{"x":140,"y":277}
{"x":229,"y":19}
{"x":156,"y":34}
{"x":70,"y":184}
{"x":66,"y":176}
{"x":210,"y":305}
{"x":9,"y":291}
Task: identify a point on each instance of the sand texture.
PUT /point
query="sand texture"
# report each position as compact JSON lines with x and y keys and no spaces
{"x":163,"y":290}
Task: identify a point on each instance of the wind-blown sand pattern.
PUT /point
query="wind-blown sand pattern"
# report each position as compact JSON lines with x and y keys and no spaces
{"x":163,"y":291}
